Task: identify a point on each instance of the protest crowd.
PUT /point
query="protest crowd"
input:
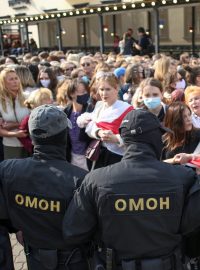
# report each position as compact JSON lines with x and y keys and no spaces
{"x":92,"y":94}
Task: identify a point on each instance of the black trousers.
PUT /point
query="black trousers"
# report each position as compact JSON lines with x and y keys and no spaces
{"x":40,"y":259}
{"x":6,"y":259}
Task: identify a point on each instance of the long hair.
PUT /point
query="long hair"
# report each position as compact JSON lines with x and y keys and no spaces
{"x":132,"y":74}
{"x":174,"y":120}
{"x":4,"y":91}
{"x":25,"y":76}
{"x":161,"y":68}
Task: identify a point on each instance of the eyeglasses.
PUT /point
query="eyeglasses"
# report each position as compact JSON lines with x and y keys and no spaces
{"x":85,"y":64}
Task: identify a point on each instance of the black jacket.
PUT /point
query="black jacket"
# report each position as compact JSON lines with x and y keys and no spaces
{"x":135,"y":206}
{"x":37,"y":191}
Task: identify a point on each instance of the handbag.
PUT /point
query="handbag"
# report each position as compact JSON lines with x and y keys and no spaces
{"x":93,"y":150}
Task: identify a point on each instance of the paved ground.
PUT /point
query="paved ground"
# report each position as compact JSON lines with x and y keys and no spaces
{"x":18,"y":254}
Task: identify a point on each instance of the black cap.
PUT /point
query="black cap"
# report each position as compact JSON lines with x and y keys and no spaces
{"x":46,"y":121}
{"x":139,"y":122}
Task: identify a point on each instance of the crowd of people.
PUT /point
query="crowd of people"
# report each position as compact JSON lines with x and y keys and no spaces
{"x":96,"y":92}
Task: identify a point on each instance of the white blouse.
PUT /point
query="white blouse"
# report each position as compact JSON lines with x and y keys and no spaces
{"x":13,"y":115}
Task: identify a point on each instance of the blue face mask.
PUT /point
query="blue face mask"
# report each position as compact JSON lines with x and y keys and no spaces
{"x":83,"y":99}
{"x":152,"y":103}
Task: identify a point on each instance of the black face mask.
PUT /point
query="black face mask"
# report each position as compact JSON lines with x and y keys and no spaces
{"x":83,"y":99}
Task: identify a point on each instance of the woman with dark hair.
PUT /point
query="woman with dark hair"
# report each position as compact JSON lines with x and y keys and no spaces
{"x":47,"y":79}
{"x":77,"y":92}
{"x":133,"y":76}
{"x":11,"y":60}
{"x":185,"y":137}
{"x":193,"y":76}
{"x":152,"y":96}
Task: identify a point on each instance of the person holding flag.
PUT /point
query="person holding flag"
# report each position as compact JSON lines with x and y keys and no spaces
{"x":104,"y":122}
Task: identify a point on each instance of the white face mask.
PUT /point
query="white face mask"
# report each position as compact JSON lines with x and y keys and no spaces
{"x":60,"y":78}
{"x":45,"y":83}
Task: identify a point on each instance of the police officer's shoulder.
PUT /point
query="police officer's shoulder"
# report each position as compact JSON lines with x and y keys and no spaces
{"x":100,"y":177}
{"x":186,"y":175}
{"x":10,"y":165}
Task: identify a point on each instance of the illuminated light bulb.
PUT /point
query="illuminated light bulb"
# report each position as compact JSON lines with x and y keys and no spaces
{"x":41,"y":17}
{"x":143,"y":5}
{"x":153,"y":4}
{"x":26,"y":19}
{"x":64,"y":14}
{"x":84,"y":11}
{"x":52,"y":15}
{"x":107,"y":8}
{"x":99,"y":9}
{"x":58,"y":15}
{"x":47,"y":16}
{"x":124,"y":6}
{"x":133,"y":5}
{"x":77,"y":12}
{"x":91,"y":10}
{"x":163,"y":2}
{"x":71,"y":13}
{"x":115,"y":8}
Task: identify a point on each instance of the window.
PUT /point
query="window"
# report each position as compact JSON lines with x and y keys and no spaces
{"x":188,"y":23}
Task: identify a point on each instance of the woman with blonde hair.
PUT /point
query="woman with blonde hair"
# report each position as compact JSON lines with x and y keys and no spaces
{"x":61,"y":97}
{"x":12,"y":110}
{"x":37,"y":98}
{"x":26,"y":79}
{"x":162,"y":67}
{"x":192,"y":99}
{"x":103,"y":123}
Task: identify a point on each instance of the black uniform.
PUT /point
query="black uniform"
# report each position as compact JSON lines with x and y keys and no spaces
{"x":134,"y":206}
{"x":37,"y":192}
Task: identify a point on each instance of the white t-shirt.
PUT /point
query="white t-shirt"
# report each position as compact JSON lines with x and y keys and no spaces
{"x":9,"y":116}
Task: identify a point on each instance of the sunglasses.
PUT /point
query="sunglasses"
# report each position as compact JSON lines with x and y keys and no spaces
{"x":85,"y":64}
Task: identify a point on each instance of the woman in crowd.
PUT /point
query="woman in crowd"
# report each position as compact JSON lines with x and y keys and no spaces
{"x":78,"y":94}
{"x":185,"y":137}
{"x":133,"y":76}
{"x":103,"y":123}
{"x":194,"y":76}
{"x":12,"y":110}
{"x":47,"y":79}
{"x":26,"y":79}
{"x":170,"y":87}
{"x":36,"y":98}
{"x":162,"y":70}
{"x":192,"y":99}
{"x":152,"y":95}
{"x":61,"y":97}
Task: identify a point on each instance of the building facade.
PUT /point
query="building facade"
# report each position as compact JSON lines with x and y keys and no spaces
{"x":176,"y":23}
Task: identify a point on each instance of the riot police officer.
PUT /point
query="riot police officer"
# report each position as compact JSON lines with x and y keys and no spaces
{"x":133,"y":208}
{"x":37,"y":191}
